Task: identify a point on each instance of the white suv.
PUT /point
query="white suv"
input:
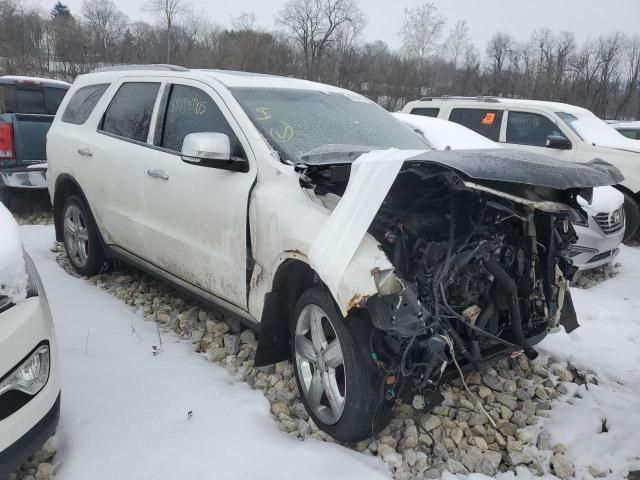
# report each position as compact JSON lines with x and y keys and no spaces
{"x":368,"y":260}
{"x":563,"y":131}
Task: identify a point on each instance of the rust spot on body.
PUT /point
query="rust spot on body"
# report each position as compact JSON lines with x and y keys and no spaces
{"x":357,"y":301}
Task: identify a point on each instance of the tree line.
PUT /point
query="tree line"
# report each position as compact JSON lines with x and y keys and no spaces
{"x":322,"y":40}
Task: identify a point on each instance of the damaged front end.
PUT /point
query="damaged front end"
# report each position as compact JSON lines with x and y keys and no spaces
{"x":479,"y":244}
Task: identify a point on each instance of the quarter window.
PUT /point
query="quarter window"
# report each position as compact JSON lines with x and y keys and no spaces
{"x":525,"y":128}
{"x":480,"y":120}
{"x":633,"y":134}
{"x":130,"y":110}
{"x":82,"y":103}
{"x":426,"y":112}
{"x":190,"y":110}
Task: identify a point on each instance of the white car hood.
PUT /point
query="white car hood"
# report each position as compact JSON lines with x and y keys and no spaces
{"x":13,"y":276}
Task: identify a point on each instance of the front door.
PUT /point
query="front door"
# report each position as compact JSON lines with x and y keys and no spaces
{"x":529,"y":131}
{"x":196,"y":217}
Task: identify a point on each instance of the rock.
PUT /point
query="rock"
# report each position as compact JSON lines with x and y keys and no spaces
{"x":278,"y":407}
{"x":217,"y":354}
{"x":457,"y":435}
{"x":44,"y":471}
{"x":430,"y":422}
{"x":477,"y":419}
{"x":541,"y":393}
{"x":481,"y":443}
{"x":563,"y":374}
{"x":507,"y":400}
{"x":455,"y":467}
{"x":493,"y":382}
{"x":559,"y":448}
{"x":434,"y":472}
{"x":507,"y":429}
{"x":440,"y":451}
{"x":247,"y":336}
{"x":519,"y":418}
{"x":505,"y":412}
{"x":473,"y":379}
{"x":522,"y":394}
{"x":425,"y":439}
{"x":232,"y":343}
{"x":46,"y":452}
{"x":484,"y":392}
{"x":389,"y":455}
{"x":514,"y":446}
{"x":597,"y":473}
{"x":544,"y":441}
{"x":562,"y":468}
{"x":440,"y":410}
{"x":519,"y":458}
{"x":411,"y":457}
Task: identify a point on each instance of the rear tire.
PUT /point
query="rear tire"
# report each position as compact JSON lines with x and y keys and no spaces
{"x":632,"y":216}
{"x":338,"y":386}
{"x":81,"y":238}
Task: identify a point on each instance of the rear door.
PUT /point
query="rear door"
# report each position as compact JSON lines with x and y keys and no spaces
{"x":196,"y":217}
{"x":485,"y":121}
{"x":528,"y":130}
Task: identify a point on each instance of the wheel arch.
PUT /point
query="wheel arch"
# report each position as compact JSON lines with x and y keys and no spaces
{"x":66,"y":186}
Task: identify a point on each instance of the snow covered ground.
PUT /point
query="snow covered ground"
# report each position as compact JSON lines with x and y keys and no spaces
{"x":124,"y":410}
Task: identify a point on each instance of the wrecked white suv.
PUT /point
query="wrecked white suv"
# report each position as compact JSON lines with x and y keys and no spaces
{"x":371,"y":262}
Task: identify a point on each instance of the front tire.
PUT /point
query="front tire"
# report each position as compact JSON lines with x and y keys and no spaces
{"x":338,"y":386}
{"x":632,"y":216}
{"x":81,"y":238}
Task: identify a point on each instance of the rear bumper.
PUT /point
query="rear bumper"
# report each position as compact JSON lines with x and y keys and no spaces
{"x":19,"y":451}
{"x":32,"y":176}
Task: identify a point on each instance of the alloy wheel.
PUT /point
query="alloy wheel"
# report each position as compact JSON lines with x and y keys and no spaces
{"x":320,"y":364}
{"x":76,"y":236}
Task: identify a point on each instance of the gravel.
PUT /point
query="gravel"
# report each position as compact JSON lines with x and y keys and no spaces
{"x":31,"y":207}
{"x":593,"y":277}
{"x":455,"y":436}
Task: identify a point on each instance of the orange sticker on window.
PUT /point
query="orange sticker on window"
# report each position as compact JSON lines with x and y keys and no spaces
{"x":489,"y":118}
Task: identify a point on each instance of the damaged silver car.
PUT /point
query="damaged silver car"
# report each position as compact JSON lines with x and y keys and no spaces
{"x":380,"y":268}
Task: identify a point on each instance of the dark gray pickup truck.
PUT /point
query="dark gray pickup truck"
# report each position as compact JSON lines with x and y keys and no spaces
{"x":27,"y":108}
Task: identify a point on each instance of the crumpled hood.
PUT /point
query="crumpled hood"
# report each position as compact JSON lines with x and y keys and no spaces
{"x":515,"y":166}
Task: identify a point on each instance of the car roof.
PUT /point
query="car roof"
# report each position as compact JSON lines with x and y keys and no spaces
{"x":229,"y":78}
{"x":507,"y":102}
{"x":47,"y":82}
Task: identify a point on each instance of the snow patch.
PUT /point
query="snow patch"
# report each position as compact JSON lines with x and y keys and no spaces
{"x":13,"y":276}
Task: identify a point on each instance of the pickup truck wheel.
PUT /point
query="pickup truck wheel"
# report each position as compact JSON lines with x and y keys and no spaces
{"x":632,"y":216}
{"x":339,"y":388}
{"x":81,"y":237}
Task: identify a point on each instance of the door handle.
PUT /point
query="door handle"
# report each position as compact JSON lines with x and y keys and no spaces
{"x":158,"y":174}
{"x":85,"y":152}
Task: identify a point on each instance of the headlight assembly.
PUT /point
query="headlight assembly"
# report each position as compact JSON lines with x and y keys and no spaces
{"x":31,"y":375}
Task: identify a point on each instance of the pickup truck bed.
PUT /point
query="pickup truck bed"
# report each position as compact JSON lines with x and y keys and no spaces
{"x":27,"y":108}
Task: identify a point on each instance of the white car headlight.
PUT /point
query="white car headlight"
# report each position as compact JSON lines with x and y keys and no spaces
{"x":31,"y":375}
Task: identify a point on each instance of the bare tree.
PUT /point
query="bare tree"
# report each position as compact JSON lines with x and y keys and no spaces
{"x":314,"y":26}
{"x":457,"y":42}
{"x":168,"y":11}
{"x":498,"y":50}
{"x":107,"y":23}
{"x":244,"y":21}
{"x":421,"y":30}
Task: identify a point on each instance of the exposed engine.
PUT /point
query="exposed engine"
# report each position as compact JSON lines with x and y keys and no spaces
{"x":481,"y":274}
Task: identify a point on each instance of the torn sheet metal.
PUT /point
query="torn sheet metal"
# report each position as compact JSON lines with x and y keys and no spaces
{"x":372,"y":175}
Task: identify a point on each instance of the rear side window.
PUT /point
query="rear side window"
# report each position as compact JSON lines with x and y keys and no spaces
{"x":53,"y":97}
{"x":82,"y":103}
{"x":426,"y":112}
{"x":130,"y":110}
{"x":480,"y":120}
{"x":190,"y":110}
{"x":525,"y":128}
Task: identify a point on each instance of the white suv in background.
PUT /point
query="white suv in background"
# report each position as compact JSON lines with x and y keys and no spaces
{"x":563,"y":131}
{"x":29,"y":378}
{"x":313,"y":212}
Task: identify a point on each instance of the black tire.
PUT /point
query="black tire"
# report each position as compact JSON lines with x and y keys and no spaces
{"x":5,"y":197}
{"x":94,"y":258}
{"x":632,"y":216}
{"x":364,"y":410}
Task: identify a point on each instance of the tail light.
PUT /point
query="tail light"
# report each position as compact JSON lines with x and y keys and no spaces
{"x":7,"y":148}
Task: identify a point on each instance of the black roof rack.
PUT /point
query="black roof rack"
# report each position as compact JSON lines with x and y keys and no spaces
{"x":153,"y":66}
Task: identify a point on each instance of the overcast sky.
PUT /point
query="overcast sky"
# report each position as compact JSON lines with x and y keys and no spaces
{"x":384,"y":17}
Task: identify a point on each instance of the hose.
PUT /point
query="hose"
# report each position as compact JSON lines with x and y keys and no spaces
{"x":509,"y":285}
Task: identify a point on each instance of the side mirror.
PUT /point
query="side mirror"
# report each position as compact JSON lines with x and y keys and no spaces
{"x":559,"y":142}
{"x":213,"y":150}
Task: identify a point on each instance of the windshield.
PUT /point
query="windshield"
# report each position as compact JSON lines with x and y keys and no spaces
{"x":590,"y":128}
{"x":295,"y":121}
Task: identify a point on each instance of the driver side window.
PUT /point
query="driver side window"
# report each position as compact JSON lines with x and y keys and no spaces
{"x":190,"y":110}
{"x":525,"y":128}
